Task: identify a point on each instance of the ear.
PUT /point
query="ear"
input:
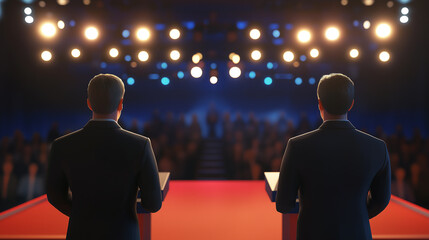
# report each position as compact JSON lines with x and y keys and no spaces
{"x":352,"y":105}
{"x":120,"y":106}
{"x":89,"y":104}
{"x":320,"y":105}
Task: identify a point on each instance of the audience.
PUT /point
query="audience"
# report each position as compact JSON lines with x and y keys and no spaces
{"x":251,"y":146}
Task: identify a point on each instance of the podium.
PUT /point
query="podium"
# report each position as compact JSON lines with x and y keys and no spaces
{"x":289,"y":220}
{"x":145,"y":217}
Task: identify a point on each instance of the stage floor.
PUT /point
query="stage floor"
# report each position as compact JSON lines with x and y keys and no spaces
{"x":216,"y":210}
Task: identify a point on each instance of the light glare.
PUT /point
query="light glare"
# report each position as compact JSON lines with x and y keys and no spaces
{"x":288,"y":56}
{"x":255,"y":34}
{"x":383,"y":30}
{"x":143,"y":56}
{"x":75,"y":53}
{"x":354,"y":53}
{"x":48,"y":30}
{"x":384,"y":56}
{"x":174,"y":34}
{"x":366,"y":24}
{"x":61,"y":24}
{"x":405,"y":10}
{"x":256,"y":55}
{"x":235,"y":59}
{"x":29,"y":19}
{"x":196,"y":58}
{"x":304,"y":36}
{"x":46,"y":56}
{"x":114,"y":52}
{"x":235,"y":72}
{"x":314,"y":53}
{"x":143,"y":34}
{"x":213,"y":80}
{"x":28,"y":10}
{"x":332,"y":33}
{"x":403,"y":19}
{"x":174,"y":55}
{"x":91,"y":33}
{"x":196,"y":72}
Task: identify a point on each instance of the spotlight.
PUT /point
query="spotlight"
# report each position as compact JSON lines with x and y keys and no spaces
{"x":405,"y":10}
{"x":196,"y":72}
{"x":46,"y":56}
{"x":255,"y":34}
{"x":75,"y":53}
{"x":403,"y":19}
{"x":131,"y":81}
{"x":61,"y":24}
{"x":288,"y":56}
{"x":332,"y":33}
{"x":48,"y":30}
{"x":235,"y":58}
{"x":174,"y":34}
{"x":314,"y":53}
{"x":383,"y":30}
{"x":113,"y":52}
{"x":235,"y":72}
{"x":304,"y":36}
{"x":143,"y":34}
{"x":165,"y":81}
{"x":384,"y":56}
{"x":91,"y":33}
{"x":143,"y":56}
{"x":268,"y":81}
{"x":174,"y":55}
{"x":28,"y":10}
{"x":29,"y":19}
{"x":213,"y":80}
{"x":354,"y":53}
{"x":196,"y":58}
{"x":256,"y":55}
{"x":366,"y":24}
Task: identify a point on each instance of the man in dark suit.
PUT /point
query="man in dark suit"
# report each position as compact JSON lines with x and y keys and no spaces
{"x":342,"y":175}
{"x":103,"y":165}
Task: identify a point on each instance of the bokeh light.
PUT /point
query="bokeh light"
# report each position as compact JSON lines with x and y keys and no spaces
{"x":252,"y":74}
{"x":354,"y":53}
{"x":165,"y":81}
{"x":174,"y":33}
{"x":256,"y":55}
{"x":235,"y":72}
{"x":268,"y":81}
{"x":75,"y":53}
{"x":235,"y":58}
{"x":196,"y":72}
{"x":384,"y":56}
{"x":366,"y":24}
{"x":304,"y":36}
{"x":61,"y":24}
{"x":46,"y":56}
{"x":314,"y":53}
{"x":29,"y":19}
{"x":48,"y":30}
{"x":383,"y":30}
{"x":143,"y":56}
{"x":28,"y":10}
{"x":288,"y":56}
{"x":298,"y":81}
{"x":196,"y":58}
{"x":405,"y":10}
{"x":143,"y":34}
{"x":403,"y":19}
{"x":130,"y":81}
{"x":174,"y":55}
{"x":91,"y":33}
{"x":255,"y":34}
{"x":332,"y":33}
{"x":114,"y":52}
{"x":213,"y":80}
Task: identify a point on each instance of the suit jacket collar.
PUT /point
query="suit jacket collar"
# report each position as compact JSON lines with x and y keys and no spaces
{"x":336,"y":124}
{"x":101,"y":125}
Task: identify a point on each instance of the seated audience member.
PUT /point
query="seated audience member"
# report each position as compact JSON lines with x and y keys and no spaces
{"x":30,"y":185}
{"x":8,"y":184}
{"x":400,"y":187}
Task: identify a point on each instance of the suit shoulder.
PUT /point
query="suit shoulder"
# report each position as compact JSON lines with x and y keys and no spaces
{"x":371,"y":138}
{"x":67,"y":137}
{"x":304,"y":136}
{"x":133,"y":136}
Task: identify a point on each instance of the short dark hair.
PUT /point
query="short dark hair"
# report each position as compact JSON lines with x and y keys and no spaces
{"x":336,"y":92}
{"x":105,"y":91}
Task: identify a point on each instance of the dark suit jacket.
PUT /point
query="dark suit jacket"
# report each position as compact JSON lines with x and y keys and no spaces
{"x":103,"y":165}
{"x":333,"y":168}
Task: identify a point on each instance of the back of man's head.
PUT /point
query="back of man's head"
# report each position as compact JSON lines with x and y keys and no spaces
{"x":105,"y":92}
{"x":336,"y":93}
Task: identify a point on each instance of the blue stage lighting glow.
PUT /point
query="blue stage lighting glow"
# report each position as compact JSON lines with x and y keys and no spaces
{"x":276,"y":33}
{"x":312,"y":80}
{"x":164,"y":65}
{"x":165,"y":81}
{"x":131,"y":81}
{"x":289,"y":26}
{"x":103,"y":65}
{"x":278,"y":41}
{"x":273,"y":26}
{"x":268,"y":81}
{"x":72,"y":23}
{"x":302,"y":58}
{"x":180,"y":74}
{"x":270,"y":65}
{"x":241,"y":25}
{"x":252,"y":74}
{"x":126,"y":33}
{"x":189,"y":25}
{"x":127,"y":58}
{"x":356,"y":23}
{"x":213,"y":66}
{"x":298,"y":81}
{"x":160,"y":26}
{"x":153,"y":76}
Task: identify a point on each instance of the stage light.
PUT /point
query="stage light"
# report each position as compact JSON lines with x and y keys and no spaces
{"x":46,"y":56}
{"x":383,"y":30}
{"x":235,"y":59}
{"x":42,"y":4}
{"x":255,"y":34}
{"x":288,"y":56}
{"x":91,"y":33}
{"x":390,"y":4}
{"x":354,"y":53}
{"x":303,"y":58}
{"x":196,"y":72}
{"x":384,"y":56}
{"x":403,"y":19}
{"x":270,"y":65}
{"x":405,"y":10}
{"x":127,"y":58}
{"x":235,"y":72}
{"x":180,"y":74}
{"x":312,"y":81}
{"x":63,"y":2}
{"x":75,"y":53}
{"x":28,"y":10}
{"x":131,"y":81}
{"x":126,"y":33}
{"x":61,"y":24}
{"x":174,"y":55}
{"x":314,"y":53}
{"x":29,"y":19}
{"x":368,"y":2}
{"x":252,"y":74}
{"x":196,"y":58}
{"x":113,"y":52}
{"x":213,"y":80}
{"x":304,"y":36}
{"x":344,"y":2}
{"x":143,"y":34}
{"x":174,"y":33}
{"x":213,"y":66}
{"x":86,"y":2}
{"x":366,"y":24}
{"x":268,"y":81}
{"x":296,"y":64}
{"x":143,"y":56}
{"x":332,"y":33}
{"x":48,"y":30}
{"x":164,"y":65}
{"x":256,"y":55}
{"x":298,"y":81}
{"x":276,"y":33}
{"x":165,"y":81}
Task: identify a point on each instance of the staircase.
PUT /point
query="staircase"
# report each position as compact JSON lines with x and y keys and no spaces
{"x":212,"y":163}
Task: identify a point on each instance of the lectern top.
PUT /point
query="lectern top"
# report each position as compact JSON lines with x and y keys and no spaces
{"x":272,"y":179}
